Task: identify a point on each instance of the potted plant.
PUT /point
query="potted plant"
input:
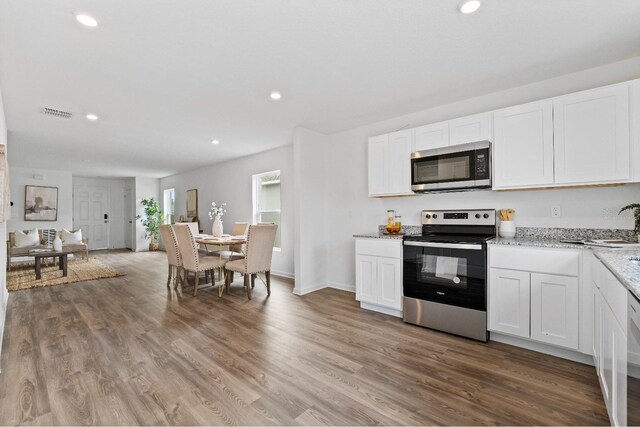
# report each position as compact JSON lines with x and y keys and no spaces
{"x":151,"y":221}
{"x":635,"y":207}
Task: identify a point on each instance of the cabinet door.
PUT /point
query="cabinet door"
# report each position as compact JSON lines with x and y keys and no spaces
{"x":509,"y":301}
{"x":597,"y":325}
{"x":390,"y":283}
{"x":554,"y":309}
{"x":470,"y":129}
{"x":591,"y":136}
{"x":619,"y":376}
{"x":398,"y":160}
{"x":366,"y":278}
{"x":523,"y":145}
{"x":378,"y":171}
{"x":431,"y":136}
{"x":607,"y":341}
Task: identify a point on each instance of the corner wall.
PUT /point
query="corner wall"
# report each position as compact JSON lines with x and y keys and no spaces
{"x":4,"y":294}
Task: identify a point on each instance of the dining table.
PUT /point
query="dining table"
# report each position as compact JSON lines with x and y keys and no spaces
{"x":220,"y":243}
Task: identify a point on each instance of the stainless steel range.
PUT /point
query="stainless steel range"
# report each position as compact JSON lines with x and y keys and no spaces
{"x":445,"y":272}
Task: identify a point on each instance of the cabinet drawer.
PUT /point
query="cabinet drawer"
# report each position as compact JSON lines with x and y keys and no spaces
{"x":379,"y":247}
{"x":615,"y":294}
{"x":540,"y":260}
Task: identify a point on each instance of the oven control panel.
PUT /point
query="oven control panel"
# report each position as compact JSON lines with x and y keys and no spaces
{"x":461,"y":217}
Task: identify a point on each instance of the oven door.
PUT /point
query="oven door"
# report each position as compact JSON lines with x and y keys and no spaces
{"x":448,"y":273}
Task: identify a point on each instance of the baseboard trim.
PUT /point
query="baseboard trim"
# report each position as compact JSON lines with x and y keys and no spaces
{"x":542,"y":348}
{"x":313,"y":288}
{"x":283,"y":274}
{"x":342,"y":287}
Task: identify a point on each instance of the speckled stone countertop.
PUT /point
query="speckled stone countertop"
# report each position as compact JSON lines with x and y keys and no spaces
{"x":617,"y":261}
{"x":532,"y":241}
{"x":378,"y":236}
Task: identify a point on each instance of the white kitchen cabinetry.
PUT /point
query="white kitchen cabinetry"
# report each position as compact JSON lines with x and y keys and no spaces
{"x":523,"y":146}
{"x":591,"y":136}
{"x":431,"y":136}
{"x":379,"y":275}
{"x":534,"y":294}
{"x":610,"y":340}
{"x":390,"y":164}
{"x":477,"y":127}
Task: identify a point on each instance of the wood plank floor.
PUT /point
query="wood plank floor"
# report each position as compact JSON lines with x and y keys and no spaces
{"x":127,"y":351}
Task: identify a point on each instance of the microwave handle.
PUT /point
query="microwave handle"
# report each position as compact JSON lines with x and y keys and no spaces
{"x":444,"y":245}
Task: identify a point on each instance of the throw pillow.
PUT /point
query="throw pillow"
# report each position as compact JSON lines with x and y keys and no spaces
{"x":30,"y":238}
{"x":71,"y":236}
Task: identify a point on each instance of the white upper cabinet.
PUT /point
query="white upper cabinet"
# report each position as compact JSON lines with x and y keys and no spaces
{"x":523,"y":145}
{"x":591,"y":136}
{"x":470,"y":129}
{"x":432,"y":136}
{"x":390,"y":164}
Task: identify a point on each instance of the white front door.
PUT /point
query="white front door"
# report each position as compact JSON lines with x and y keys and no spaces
{"x":91,"y":214}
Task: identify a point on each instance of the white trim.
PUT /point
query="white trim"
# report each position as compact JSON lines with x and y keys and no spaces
{"x":379,"y":309}
{"x":316,"y":287}
{"x":283,"y":274}
{"x":342,"y":287}
{"x":542,"y":348}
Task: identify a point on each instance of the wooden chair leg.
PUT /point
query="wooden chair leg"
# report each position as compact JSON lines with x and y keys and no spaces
{"x":195,"y":288}
{"x":246,"y":285}
{"x":253,"y":281}
{"x":169,"y":276}
{"x":212,"y":274}
{"x":268,"y":277}
{"x":227,"y":281}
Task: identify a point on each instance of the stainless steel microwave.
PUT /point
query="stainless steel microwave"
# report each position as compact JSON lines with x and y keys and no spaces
{"x":454,"y":168}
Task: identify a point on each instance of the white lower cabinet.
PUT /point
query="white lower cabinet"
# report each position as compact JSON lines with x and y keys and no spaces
{"x":537,"y":297}
{"x":610,"y":341}
{"x":379,"y":275}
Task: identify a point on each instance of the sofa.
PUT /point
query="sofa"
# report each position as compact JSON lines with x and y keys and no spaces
{"x":45,"y":238}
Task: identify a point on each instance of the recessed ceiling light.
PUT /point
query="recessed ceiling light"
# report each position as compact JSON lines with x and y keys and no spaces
{"x":91,"y":117}
{"x":215,"y":142}
{"x":86,"y":20}
{"x":469,"y":6}
{"x":276,"y":96}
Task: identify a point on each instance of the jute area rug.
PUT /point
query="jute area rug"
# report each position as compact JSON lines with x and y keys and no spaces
{"x":23,"y":276}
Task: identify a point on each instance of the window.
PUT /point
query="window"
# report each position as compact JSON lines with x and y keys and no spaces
{"x":169,"y":205}
{"x":266,"y":201}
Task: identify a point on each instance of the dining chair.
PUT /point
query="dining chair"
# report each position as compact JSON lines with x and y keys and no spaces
{"x":173,"y":254}
{"x":259,"y":251}
{"x":191,"y":259}
{"x":234,"y":251}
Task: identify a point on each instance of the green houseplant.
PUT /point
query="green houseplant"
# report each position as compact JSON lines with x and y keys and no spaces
{"x":635,"y":207}
{"x":151,"y":221}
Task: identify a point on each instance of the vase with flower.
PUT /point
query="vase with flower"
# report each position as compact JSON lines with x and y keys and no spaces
{"x":215,"y":214}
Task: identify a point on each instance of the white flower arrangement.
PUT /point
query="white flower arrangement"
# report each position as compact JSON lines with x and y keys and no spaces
{"x":217,"y":210}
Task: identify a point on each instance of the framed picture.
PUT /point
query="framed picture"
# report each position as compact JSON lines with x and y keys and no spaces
{"x":192,"y":202}
{"x":40,"y":203}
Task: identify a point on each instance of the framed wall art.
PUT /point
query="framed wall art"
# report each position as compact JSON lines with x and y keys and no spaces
{"x":40,"y":203}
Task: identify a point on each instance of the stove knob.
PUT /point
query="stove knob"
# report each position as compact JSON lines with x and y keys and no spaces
{"x":478,"y":216}
{"x":435,"y":216}
{"x":485,"y":216}
{"x":427,"y":216}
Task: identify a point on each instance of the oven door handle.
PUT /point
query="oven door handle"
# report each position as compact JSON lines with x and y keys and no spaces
{"x":445,"y":245}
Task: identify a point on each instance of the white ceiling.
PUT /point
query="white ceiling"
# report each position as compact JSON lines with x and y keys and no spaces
{"x":166,"y":77}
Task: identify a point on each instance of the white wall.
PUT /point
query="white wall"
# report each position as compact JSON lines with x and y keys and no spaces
{"x":311,"y":163}
{"x":231,"y":182}
{"x":351,"y":211}
{"x":4,"y":294}
{"x":144,"y":188}
{"x":20,"y":177}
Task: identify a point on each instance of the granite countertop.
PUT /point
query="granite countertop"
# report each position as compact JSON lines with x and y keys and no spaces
{"x":378,"y":236}
{"x":617,"y":261}
{"x":533,"y":241}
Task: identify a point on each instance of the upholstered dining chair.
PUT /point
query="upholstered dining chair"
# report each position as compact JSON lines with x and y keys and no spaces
{"x":259,"y":251}
{"x":173,"y":254}
{"x":191,"y":259}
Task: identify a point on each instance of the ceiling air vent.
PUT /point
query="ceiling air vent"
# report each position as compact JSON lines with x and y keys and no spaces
{"x":56,"y":113}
